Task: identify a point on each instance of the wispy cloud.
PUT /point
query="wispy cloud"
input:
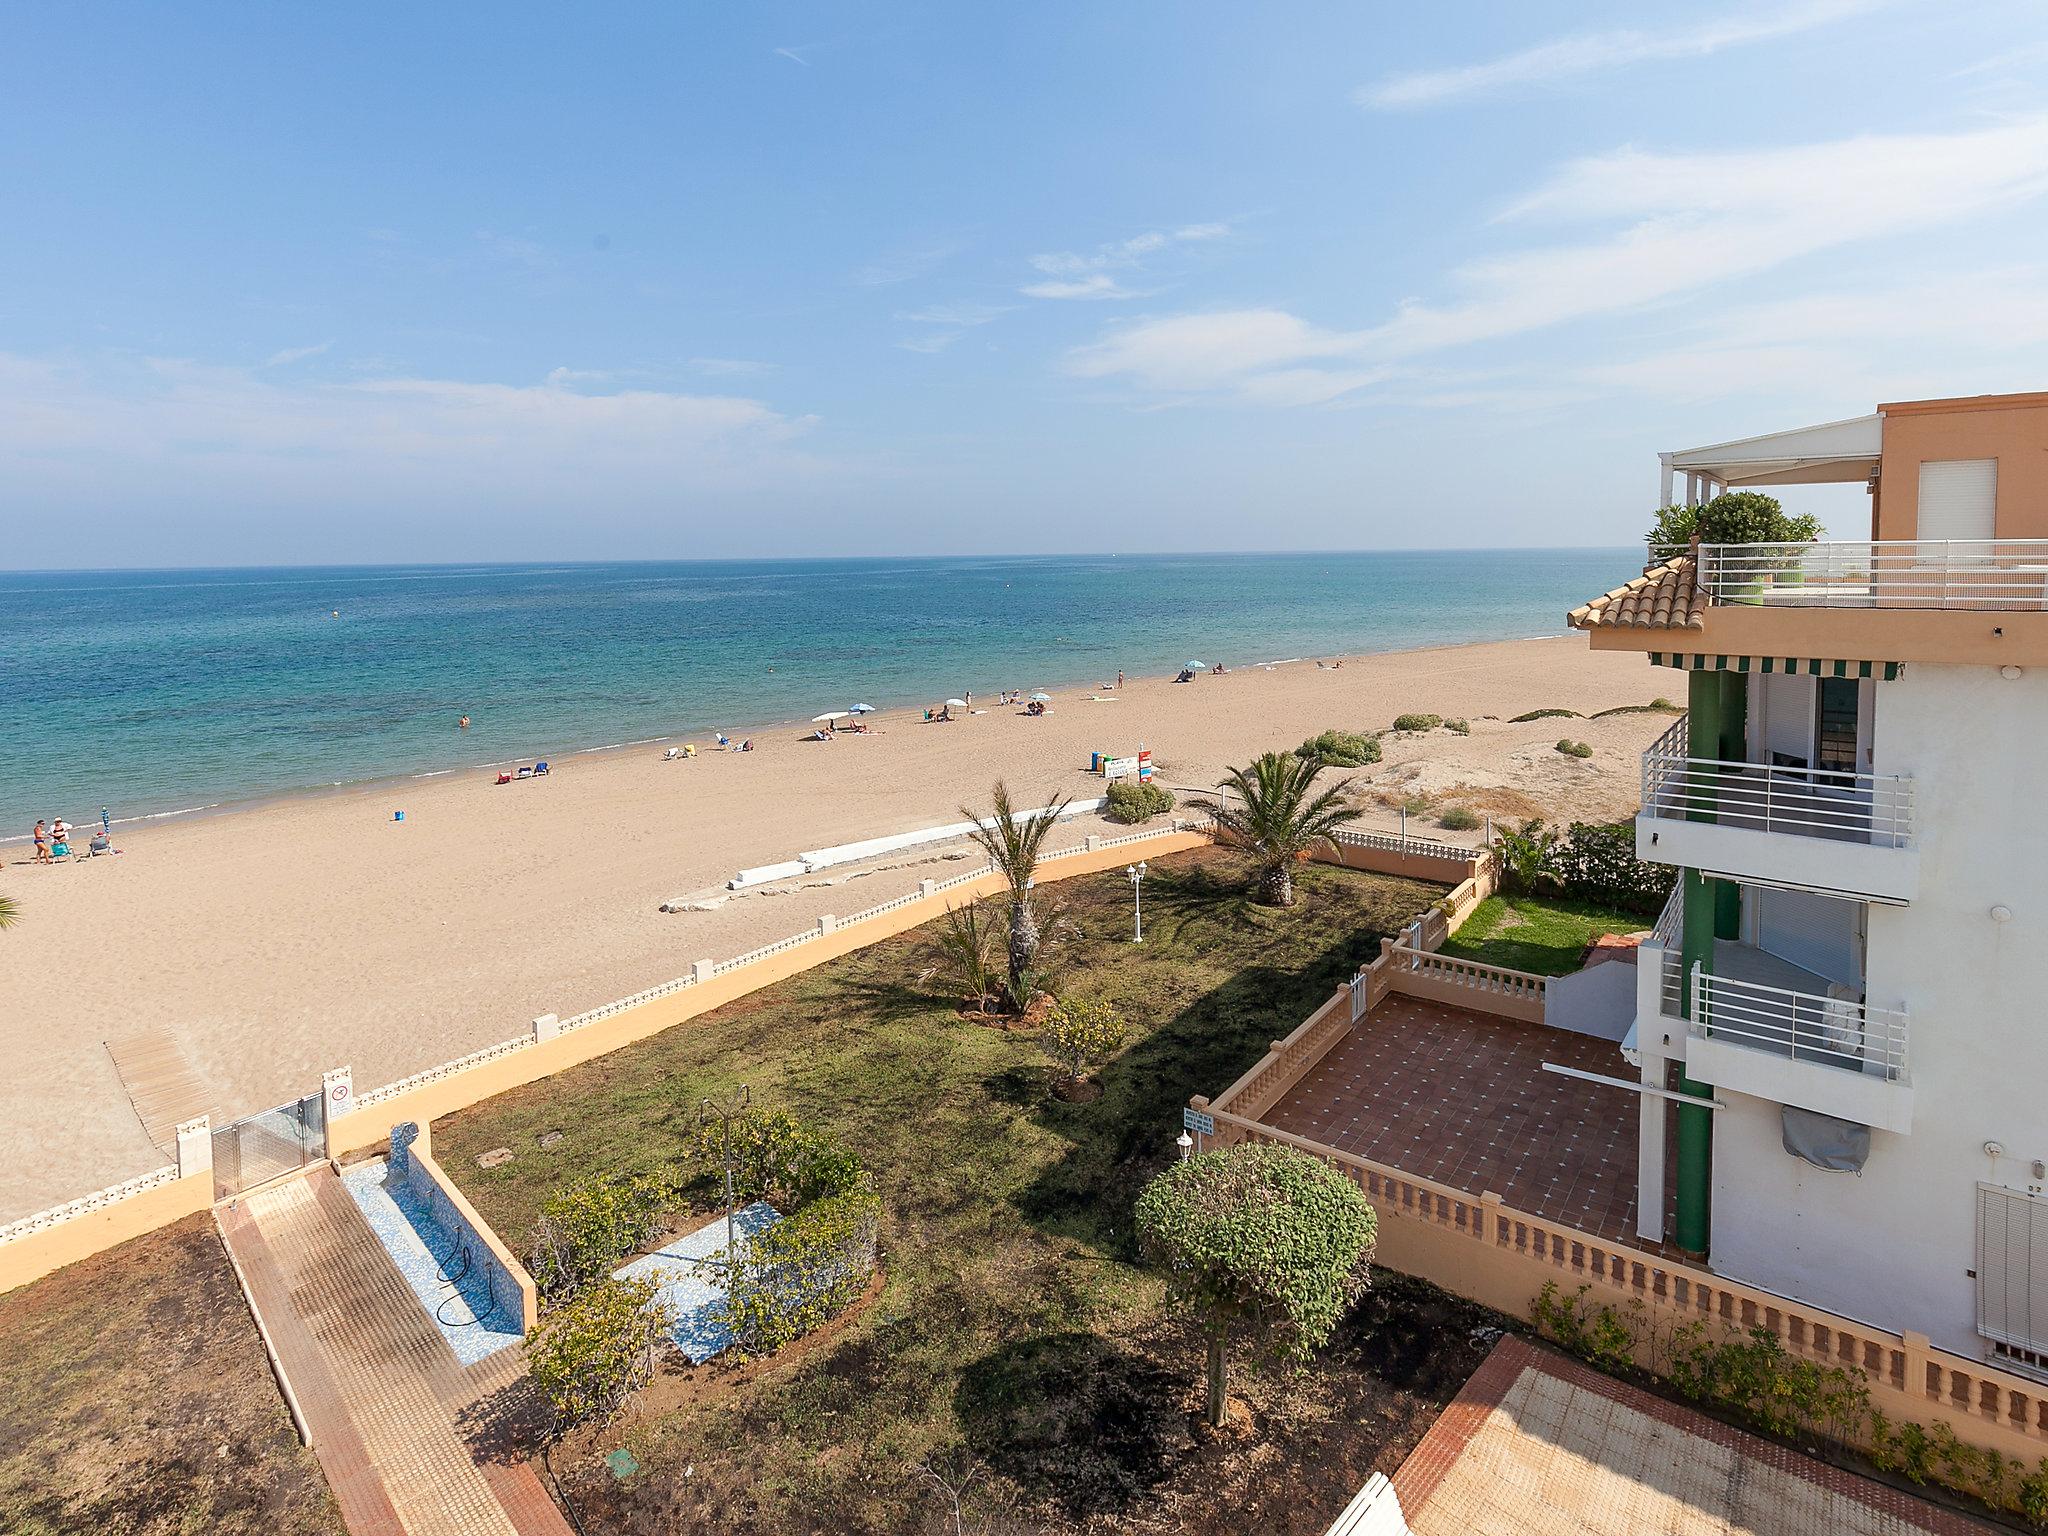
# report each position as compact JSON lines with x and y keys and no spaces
{"x":1685,"y":223}
{"x":946,"y":323}
{"x":295,"y":354}
{"x":902,"y":265}
{"x":249,"y":436}
{"x":728,"y":367}
{"x":1087,"y":274}
{"x":794,"y":55}
{"x":1589,"y":52}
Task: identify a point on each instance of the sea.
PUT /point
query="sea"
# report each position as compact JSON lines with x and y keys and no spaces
{"x":152,"y":693}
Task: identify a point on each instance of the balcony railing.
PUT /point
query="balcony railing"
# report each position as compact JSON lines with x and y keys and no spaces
{"x":1667,"y":938}
{"x":1891,"y":573}
{"x":1834,"y":1032}
{"x":1763,"y":797}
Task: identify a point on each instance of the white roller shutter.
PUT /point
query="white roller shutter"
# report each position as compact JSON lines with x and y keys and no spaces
{"x":2012,"y":1267}
{"x":1958,"y":498}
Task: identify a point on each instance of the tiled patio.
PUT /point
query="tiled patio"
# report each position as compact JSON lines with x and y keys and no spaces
{"x":1538,"y":1445}
{"x":1462,"y":1098}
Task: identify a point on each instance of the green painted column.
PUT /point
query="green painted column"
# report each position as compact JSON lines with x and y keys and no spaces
{"x":1718,"y":712}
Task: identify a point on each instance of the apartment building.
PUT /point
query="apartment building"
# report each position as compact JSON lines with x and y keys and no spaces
{"x":1849,"y":988}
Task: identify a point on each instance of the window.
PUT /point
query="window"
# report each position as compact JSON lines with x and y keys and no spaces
{"x":1958,"y":498}
{"x":2012,"y":1269}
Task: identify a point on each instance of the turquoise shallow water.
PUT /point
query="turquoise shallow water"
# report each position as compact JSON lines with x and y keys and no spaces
{"x":149,"y":692}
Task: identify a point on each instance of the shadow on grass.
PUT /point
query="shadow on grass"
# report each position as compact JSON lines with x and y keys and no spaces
{"x":1074,"y":1419}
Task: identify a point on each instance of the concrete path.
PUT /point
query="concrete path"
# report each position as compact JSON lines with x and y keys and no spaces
{"x":412,"y":1442}
{"x":1539,"y":1445}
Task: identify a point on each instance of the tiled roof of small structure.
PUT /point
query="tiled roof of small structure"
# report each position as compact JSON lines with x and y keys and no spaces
{"x":1663,"y":597}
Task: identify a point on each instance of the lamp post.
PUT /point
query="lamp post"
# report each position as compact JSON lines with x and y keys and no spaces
{"x":1135,"y":873}
{"x":1186,"y":1143}
{"x":707,"y":1111}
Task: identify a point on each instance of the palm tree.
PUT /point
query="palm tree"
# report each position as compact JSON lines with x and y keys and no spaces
{"x":1012,"y":846}
{"x":1274,"y":817}
{"x":10,"y":912}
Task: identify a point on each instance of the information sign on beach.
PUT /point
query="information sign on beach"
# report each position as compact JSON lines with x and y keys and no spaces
{"x":1119,"y":768}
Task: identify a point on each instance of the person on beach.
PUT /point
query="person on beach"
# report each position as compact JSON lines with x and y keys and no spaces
{"x":1119,"y":677}
{"x":42,"y":835}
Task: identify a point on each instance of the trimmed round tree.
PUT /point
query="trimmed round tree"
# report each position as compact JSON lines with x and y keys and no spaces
{"x":1263,"y":1242}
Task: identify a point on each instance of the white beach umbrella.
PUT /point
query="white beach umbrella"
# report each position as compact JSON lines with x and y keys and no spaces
{"x":837,"y":714}
{"x":1198,"y":663}
{"x":956,"y":703}
{"x":862,"y":709}
{"x":1041,"y":698}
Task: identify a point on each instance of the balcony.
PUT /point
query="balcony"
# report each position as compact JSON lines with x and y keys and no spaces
{"x":2000,"y":575}
{"x":1820,"y":1050}
{"x":1846,"y":833}
{"x":1762,"y":1026}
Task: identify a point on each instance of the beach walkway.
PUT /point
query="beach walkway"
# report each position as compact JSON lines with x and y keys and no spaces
{"x":413,"y":1443}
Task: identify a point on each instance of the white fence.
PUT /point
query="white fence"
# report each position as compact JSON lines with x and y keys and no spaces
{"x":1873,"y":808}
{"x":1836,"y":1032}
{"x":1892,"y":573}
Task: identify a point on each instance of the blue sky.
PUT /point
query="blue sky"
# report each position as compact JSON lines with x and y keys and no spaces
{"x":381,"y":283}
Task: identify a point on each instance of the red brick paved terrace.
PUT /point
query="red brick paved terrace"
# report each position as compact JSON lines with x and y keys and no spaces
{"x":1461,"y":1098}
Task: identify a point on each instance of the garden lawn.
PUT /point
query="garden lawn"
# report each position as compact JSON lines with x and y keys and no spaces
{"x":1015,"y":1339}
{"x":135,"y":1400}
{"x":1536,"y":933}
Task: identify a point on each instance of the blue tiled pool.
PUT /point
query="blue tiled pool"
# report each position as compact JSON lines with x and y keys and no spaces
{"x":693,"y":1285}
{"x":453,"y":1288}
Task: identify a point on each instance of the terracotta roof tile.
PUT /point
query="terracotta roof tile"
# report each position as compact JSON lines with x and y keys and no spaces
{"x":1663,"y":597}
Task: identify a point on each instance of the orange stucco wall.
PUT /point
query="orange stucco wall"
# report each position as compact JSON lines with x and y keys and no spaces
{"x":2012,"y":429}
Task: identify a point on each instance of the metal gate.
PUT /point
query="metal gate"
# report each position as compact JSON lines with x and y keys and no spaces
{"x":268,"y":1146}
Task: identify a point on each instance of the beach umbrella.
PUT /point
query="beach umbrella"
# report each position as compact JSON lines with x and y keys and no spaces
{"x":862,"y":709}
{"x":1198,"y":664}
{"x":956,"y":703}
{"x":1041,"y":698}
{"x":826,"y":719}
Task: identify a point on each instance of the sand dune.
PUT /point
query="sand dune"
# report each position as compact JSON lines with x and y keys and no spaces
{"x":278,"y":941}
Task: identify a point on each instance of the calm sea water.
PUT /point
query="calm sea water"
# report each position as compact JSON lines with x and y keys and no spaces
{"x":150,"y":692}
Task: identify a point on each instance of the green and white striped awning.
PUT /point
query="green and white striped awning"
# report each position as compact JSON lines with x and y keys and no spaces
{"x":1795,"y":666}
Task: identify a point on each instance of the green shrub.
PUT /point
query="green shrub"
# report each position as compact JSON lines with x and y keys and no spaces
{"x":1545,"y":714}
{"x":777,"y":1158}
{"x":1572,"y":748}
{"x":1458,"y":819}
{"x":589,"y":1353}
{"x":1079,"y":1034}
{"x":1342,"y":749}
{"x":1135,"y":800}
{"x":1258,"y":1237}
{"x":1524,"y":854}
{"x":1597,"y":1334}
{"x":586,"y":1231}
{"x":1460,"y":727}
{"x":1597,"y":864}
{"x":800,"y":1272}
{"x":1417,"y":722}
{"x":1733,"y":517}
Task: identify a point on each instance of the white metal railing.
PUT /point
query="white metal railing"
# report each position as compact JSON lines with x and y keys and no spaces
{"x":1874,"y":808}
{"x":1836,"y":1032}
{"x":1667,"y":935}
{"x":1888,"y":573}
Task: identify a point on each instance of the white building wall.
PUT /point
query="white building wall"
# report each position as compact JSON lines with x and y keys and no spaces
{"x":1895,"y":1244}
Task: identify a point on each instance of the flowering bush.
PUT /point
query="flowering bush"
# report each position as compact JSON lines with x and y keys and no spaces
{"x":1080,"y":1034}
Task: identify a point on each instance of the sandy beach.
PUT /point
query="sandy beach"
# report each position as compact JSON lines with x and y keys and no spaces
{"x":312,"y":932}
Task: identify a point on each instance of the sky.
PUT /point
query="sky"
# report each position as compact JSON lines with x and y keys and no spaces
{"x":383,"y":284}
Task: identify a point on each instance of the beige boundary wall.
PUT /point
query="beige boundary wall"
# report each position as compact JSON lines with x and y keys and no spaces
{"x":1476,"y":1247}
{"x":48,"y":1240}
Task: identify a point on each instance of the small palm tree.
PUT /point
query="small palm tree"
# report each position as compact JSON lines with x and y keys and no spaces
{"x":1013,"y":847}
{"x":1277,"y":820}
{"x":10,"y":913}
